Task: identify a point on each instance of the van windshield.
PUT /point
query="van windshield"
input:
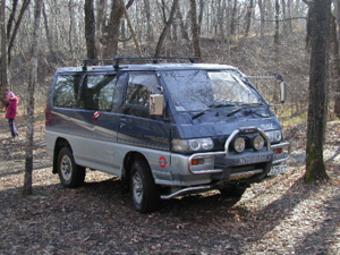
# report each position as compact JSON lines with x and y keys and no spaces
{"x":198,"y":90}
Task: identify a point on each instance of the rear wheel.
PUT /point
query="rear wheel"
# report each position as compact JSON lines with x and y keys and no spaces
{"x":70,"y":174}
{"x":144,"y":192}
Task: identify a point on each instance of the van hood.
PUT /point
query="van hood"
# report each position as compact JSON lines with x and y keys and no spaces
{"x":224,"y":127}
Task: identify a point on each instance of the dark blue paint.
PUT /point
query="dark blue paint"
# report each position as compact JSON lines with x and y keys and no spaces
{"x":156,"y":133}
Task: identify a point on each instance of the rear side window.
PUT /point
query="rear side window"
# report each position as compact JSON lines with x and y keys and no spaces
{"x":98,"y":92}
{"x":66,"y":91}
{"x":140,"y":87}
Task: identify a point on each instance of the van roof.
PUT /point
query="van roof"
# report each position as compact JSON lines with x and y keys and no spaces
{"x":149,"y":67}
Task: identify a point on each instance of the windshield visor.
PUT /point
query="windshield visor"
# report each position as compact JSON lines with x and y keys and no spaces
{"x":198,"y":90}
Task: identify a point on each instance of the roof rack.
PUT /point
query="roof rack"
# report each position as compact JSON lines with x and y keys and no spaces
{"x":117,"y":60}
{"x":94,"y":62}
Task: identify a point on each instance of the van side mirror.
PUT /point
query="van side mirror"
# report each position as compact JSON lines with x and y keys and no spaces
{"x":282,"y":92}
{"x":156,"y":104}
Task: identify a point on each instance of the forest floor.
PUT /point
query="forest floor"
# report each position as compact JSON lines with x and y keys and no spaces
{"x":278,"y":216}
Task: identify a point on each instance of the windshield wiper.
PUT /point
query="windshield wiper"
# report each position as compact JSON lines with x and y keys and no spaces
{"x":242,"y":107}
{"x":212,"y":106}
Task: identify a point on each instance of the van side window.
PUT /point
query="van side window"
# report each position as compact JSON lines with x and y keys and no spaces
{"x":98,"y":92}
{"x":140,"y":87}
{"x":66,"y":91}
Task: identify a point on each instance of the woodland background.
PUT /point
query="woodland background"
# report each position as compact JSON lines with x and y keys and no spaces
{"x":260,"y":37}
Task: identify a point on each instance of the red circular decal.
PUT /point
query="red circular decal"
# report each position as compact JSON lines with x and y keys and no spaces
{"x":162,"y":162}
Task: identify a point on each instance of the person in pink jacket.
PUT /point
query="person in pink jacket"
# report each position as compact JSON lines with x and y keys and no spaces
{"x":11,"y":112}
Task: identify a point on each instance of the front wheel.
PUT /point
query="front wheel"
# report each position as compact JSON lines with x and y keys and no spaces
{"x":232,"y":193}
{"x":70,"y":174}
{"x":144,"y":192}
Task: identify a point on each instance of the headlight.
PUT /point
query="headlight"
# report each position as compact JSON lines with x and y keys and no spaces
{"x":258,"y":143}
{"x":192,"y":145}
{"x":239,"y":144}
{"x":274,"y":136}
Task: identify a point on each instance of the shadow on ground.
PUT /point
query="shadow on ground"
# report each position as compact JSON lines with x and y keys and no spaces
{"x":98,"y":217}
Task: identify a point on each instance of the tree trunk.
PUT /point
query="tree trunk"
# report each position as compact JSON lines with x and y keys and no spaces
{"x":337,"y":57}
{"x":277,"y":23}
{"x":166,"y":28}
{"x":320,"y":18}
{"x":233,"y":19}
{"x":27,"y":190}
{"x":48,"y":35}
{"x":289,"y":16}
{"x":195,"y":30}
{"x":200,"y":16}
{"x":184,"y":30}
{"x":111,"y":31}
{"x":284,"y":17}
{"x":90,"y":30}
{"x":132,"y":31}
{"x":13,"y":35}
{"x":100,"y":19}
{"x":221,"y":11}
{"x":3,"y":57}
{"x":149,"y":32}
{"x":269,"y":10}
{"x":248,"y":17}
{"x":262,"y":17}
{"x":71,"y":31}
{"x":11,"y":18}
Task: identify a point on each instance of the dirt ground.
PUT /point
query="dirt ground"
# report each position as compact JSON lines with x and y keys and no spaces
{"x":278,"y":216}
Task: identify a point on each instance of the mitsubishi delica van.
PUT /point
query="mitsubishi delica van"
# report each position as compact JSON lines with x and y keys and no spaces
{"x":165,"y":129}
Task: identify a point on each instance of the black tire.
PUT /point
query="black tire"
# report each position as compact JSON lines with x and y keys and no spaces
{"x":232,"y":193}
{"x":70,"y":174}
{"x":144,"y":192}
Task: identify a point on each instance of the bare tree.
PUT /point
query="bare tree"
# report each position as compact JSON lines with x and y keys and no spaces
{"x":11,"y":18}
{"x":320,"y":24}
{"x":111,"y":31}
{"x":184,"y":30}
{"x":195,"y":30}
{"x":17,"y":24}
{"x":48,"y":35}
{"x":33,"y":78}
{"x":277,"y":23}
{"x":233,"y":18}
{"x":249,"y":14}
{"x":337,"y":57}
{"x":284,"y":17}
{"x":221,"y":10}
{"x":132,"y":31}
{"x":200,"y":16}
{"x":72,"y":28}
{"x":289,"y":16}
{"x":166,"y":28}
{"x":3,"y":59}
{"x":262,"y":16}
{"x":149,"y":33}
{"x":90,"y":30}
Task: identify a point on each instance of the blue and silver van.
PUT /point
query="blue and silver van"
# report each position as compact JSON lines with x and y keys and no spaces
{"x":166,"y":129}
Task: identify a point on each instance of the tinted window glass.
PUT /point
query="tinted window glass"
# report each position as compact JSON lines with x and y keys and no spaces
{"x":140,"y":87}
{"x":98,"y":92}
{"x":66,"y":91}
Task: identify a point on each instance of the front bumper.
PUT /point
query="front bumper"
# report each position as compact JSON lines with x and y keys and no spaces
{"x":222,"y":168}
{"x":225,"y":166}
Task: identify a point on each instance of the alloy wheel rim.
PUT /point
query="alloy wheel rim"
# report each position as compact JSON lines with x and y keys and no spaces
{"x":137,"y":187}
{"x":66,"y":167}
